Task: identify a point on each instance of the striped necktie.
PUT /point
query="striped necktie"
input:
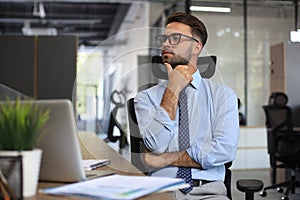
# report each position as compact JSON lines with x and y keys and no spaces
{"x":183,"y":139}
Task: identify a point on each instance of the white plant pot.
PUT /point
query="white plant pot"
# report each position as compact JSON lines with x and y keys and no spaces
{"x":31,"y":161}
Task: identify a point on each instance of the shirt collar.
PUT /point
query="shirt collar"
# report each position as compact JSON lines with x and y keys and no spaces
{"x":196,"y":79}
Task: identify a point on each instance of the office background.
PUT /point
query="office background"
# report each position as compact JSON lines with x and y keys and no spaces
{"x":247,"y":71}
{"x":117,"y":60}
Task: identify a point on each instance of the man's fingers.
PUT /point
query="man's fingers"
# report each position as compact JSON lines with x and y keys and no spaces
{"x":169,"y":67}
{"x":185,"y":67}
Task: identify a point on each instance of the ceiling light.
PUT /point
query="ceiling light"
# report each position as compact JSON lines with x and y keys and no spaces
{"x":39,"y":31}
{"x":210,"y":9}
{"x":42,"y":10}
{"x":32,"y":31}
{"x":38,"y":9}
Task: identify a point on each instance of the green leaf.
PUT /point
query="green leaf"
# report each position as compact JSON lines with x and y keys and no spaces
{"x":20,"y":124}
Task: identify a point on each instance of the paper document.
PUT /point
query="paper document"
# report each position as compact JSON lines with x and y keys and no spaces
{"x":93,"y":164}
{"x":118,"y":187}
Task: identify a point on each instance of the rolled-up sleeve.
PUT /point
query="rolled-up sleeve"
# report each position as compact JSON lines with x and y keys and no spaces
{"x":156,"y":127}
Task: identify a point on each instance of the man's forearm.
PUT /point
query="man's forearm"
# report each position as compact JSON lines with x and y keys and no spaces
{"x":177,"y":159}
{"x":182,"y":159}
{"x":169,"y":102}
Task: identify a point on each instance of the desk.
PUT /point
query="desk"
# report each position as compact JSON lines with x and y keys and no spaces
{"x":93,"y":147}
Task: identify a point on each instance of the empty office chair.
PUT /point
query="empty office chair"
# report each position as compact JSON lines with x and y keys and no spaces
{"x":282,"y":142}
{"x":276,"y":98}
{"x":117,"y":98}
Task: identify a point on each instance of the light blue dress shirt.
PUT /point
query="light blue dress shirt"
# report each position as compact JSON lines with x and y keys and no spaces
{"x":213,"y":126}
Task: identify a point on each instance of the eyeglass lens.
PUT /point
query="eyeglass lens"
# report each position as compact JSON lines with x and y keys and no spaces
{"x":172,"y":39}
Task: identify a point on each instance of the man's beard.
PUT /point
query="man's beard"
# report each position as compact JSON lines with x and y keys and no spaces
{"x":175,"y":60}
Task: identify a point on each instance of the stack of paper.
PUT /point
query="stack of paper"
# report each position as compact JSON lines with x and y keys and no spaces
{"x":118,"y":187}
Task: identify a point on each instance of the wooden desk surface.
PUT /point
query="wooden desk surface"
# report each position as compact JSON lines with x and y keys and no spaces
{"x":93,"y":147}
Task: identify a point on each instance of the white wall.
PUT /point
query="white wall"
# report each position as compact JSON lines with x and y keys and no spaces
{"x":226,"y":41}
{"x":252,"y":150}
{"x":135,"y":32}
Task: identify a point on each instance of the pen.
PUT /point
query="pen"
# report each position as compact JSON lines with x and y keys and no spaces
{"x":95,"y":166}
{"x":99,"y":164}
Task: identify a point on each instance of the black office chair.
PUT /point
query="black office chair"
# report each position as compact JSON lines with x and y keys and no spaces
{"x":276,"y":98}
{"x":242,"y":118}
{"x":117,"y":98}
{"x":137,"y":146}
{"x":248,"y":186}
{"x":282,"y":142}
{"x":206,"y":66}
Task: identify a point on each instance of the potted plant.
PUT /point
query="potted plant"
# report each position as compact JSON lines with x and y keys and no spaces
{"x":20,"y":125}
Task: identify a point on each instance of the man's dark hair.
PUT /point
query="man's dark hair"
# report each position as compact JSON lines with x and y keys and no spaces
{"x":197,"y":27}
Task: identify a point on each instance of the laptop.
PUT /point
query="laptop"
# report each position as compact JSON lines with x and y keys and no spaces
{"x":61,"y":158}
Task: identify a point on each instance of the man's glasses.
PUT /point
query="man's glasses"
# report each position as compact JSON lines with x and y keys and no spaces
{"x":173,"y":38}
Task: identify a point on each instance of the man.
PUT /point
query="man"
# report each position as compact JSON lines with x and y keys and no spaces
{"x":213,"y":124}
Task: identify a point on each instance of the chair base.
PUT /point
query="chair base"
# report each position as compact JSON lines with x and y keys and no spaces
{"x":290,"y":188}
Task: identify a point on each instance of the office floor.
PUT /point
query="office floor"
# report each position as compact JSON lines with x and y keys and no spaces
{"x":262,"y":174}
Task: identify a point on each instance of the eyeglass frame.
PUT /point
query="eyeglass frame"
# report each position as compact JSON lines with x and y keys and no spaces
{"x":168,"y":37}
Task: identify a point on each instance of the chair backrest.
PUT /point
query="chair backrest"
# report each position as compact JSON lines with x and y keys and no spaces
{"x":278,"y":119}
{"x":278,"y":124}
{"x":242,"y":119}
{"x":278,"y":98}
{"x":137,"y":146}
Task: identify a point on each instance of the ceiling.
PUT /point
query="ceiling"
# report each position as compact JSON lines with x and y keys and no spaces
{"x":91,"y":21}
